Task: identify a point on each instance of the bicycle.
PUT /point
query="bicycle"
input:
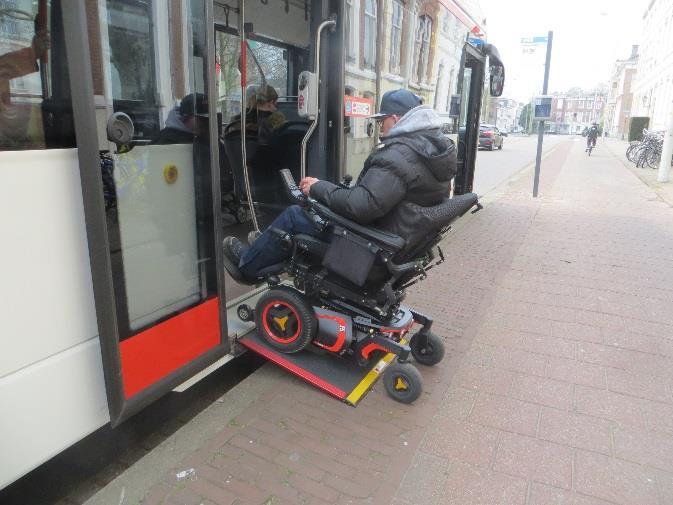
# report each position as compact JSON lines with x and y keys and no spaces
{"x":591,"y":143}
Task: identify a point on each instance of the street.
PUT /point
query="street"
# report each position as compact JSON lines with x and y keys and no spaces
{"x":495,"y":167}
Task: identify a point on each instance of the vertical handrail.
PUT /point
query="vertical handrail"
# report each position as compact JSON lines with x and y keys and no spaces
{"x":244,"y":110}
{"x":316,"y":69}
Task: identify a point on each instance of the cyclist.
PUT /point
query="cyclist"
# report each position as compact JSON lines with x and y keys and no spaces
{"x":592,"y":135}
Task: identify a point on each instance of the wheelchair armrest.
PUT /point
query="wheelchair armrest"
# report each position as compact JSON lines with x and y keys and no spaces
{"x":381,"y":237}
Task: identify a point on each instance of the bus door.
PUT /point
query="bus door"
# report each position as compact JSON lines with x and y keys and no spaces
{"x":257,"y":78}
{"x":470,"y":89}
{"x":151,"y":196}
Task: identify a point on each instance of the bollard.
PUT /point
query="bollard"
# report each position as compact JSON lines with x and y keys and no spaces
{"x":666,"y":151}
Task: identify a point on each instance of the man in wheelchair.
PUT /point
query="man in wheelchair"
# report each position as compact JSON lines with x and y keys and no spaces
{"x":352,"y":251}
{"x":414,"y":163}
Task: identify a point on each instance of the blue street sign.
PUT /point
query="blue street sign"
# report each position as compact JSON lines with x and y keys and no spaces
{"x":474,"y":41}
{"x":534,"y":40}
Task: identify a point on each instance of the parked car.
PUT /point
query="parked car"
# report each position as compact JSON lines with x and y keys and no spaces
{"x":489,"y":137}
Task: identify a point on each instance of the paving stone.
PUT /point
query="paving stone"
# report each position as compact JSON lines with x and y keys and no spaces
{"x":467,"y":485}
{"x":424,"y":481}
{"x":517,"y":360}
{"x":546,"y":495}
{"x":613,"y":479}
{"x":534,"y":459}
{"x":648,"y":448}
{"x":551,"y":393}
{"x":479,"y":378}
{"x":641,"y":385}
{"x":576,"y":430}
{"x":505,"y":414}
{"x":465,"y":441}
{"x":577,"y":372}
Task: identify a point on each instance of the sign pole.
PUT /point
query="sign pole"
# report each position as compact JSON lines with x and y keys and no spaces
{"x":540,"y":131}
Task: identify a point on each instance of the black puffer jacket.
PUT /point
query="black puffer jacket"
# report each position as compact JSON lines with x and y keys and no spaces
{"x":415,"y":164}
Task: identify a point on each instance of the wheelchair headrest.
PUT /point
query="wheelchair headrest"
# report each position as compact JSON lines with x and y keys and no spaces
{"x":450,"y":208}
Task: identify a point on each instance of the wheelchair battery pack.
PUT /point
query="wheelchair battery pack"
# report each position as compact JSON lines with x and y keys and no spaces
{"x":350,"y":256}
{"x":335,"y":330}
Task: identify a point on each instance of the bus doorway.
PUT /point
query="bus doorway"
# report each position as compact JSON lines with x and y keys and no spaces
{"x":470,"y":90}
{"x":257,"y":80}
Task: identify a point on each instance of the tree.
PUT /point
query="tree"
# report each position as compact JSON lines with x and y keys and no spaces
{"x":524,"y":119}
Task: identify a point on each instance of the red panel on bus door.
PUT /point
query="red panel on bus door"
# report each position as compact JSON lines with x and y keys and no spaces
{"x":162,"y":349}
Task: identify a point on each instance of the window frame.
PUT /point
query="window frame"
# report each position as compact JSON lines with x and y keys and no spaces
{"x":369,"y":28}
{"x":396,"y":41}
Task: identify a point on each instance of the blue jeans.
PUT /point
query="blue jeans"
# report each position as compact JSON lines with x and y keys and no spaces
{"x":266,"y":250}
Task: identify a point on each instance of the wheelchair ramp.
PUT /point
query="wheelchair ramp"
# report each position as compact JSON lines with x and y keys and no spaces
{"x":340,"y":377}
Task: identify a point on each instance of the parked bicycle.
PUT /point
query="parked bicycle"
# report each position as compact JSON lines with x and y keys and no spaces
{"x":647,"y":152}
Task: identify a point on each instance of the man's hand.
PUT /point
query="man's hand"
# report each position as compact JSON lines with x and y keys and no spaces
{"x":41,"y":43}
{"x":306,"y":183}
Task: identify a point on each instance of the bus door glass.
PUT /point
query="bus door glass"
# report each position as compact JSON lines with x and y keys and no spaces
{"x":158,"y":189}
{"x":422,"y":53}
{"x":263,"y":87}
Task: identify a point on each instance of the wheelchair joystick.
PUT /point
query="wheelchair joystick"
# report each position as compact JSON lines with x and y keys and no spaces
{"x":292,"y":189}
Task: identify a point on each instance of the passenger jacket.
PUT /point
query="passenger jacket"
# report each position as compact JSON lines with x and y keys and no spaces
{"x":414,"y":164}
{"x":175,"y":131}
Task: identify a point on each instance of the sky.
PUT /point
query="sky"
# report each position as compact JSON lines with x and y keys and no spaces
{"x":589,"y":35}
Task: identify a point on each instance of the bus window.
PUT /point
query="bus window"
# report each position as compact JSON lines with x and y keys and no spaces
{"x":421,"y":52}
{"x":35,"y":109}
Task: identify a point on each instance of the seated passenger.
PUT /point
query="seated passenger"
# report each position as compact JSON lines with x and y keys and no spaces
{"x":262,"y":117}
{"x":186,"y":121}
{"x":415,"y":162}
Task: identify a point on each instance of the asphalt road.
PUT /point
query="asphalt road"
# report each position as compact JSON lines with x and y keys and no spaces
{"x":518,"y":152}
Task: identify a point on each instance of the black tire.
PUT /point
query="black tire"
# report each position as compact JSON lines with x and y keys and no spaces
{"x":429,"y":354}
{"x":403,"y":382}
{"x":501,"y":143}
{"x":285,"y":320}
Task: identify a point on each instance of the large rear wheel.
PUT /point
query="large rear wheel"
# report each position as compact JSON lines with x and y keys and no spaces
{"x":285,"y":320}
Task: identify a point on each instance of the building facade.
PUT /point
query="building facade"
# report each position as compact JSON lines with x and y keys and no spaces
{"x":419,"y":45}
{"x":573,"y":111}
{"x":620,"y":97}
{"x":653,"y":86}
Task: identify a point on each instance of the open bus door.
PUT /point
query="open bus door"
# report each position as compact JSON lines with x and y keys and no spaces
{"x":151,"y":202}
{"x":470,"y":89}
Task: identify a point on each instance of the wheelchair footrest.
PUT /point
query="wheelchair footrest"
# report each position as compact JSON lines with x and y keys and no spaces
{"x":341,"y":377}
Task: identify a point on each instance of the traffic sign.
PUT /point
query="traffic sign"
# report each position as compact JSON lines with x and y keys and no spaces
{"x":533,"y":40}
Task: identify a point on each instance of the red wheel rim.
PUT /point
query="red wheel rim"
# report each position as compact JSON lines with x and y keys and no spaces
{"x":281,"y":322}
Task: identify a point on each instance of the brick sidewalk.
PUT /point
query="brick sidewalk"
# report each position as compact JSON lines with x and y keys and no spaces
{"x":557,"y":388}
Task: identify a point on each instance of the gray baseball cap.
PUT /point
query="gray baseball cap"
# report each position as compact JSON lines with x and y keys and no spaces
{"x":397,"y":102}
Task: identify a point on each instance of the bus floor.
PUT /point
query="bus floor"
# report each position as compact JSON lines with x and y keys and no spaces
{"x":82,"y":470}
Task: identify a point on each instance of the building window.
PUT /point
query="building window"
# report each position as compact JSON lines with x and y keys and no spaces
{"x":396,"y":36}
{"x":370,"y":34}
{"x":350,"y":32}
{"x":422,"y":48}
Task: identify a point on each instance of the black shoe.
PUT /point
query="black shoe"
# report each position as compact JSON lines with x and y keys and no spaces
{"x":233,"y":250}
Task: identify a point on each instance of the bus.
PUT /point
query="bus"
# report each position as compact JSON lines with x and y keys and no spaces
{"x":113,"y":290}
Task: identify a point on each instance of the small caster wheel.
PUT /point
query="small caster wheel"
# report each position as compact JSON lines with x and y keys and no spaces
{"x":245,"y":313}
{"x":427,"y":351}
{"x":285,"y":320}
{"x":403,"y":382}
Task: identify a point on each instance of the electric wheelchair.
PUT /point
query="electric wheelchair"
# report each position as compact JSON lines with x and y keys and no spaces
{"x":345,"y":295}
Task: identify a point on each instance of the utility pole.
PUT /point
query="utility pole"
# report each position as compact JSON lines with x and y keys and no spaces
{"x":666,"y":150}
{"x":540,"y":130}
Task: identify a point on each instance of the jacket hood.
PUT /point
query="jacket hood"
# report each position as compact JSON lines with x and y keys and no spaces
{"x":173,"y":121}
{"x":419,"y":129}
{"x":418,"y":118}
